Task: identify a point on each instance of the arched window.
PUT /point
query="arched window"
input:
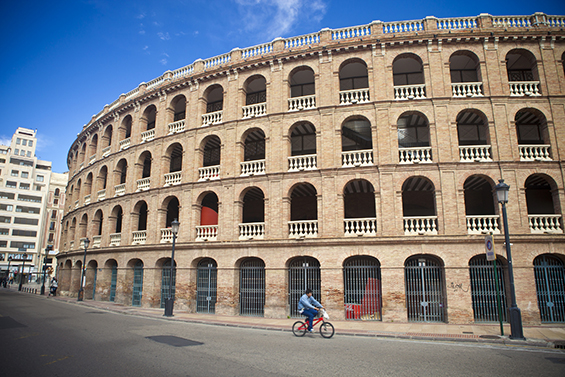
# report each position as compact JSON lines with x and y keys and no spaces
{"x":255,"y":90}
{"x":362,"y":292}
{"x":419,"y":206}
{"x":360,"y":216}
{"x":254,"y":150}
{"x":303,"y":273}
{"x":523,"y":76}
{"x":179,"y":108}
{"x":353,"y":82}
{"x":480,"y":206}
{"x":149,"y":117}
{"x":425,"y":292}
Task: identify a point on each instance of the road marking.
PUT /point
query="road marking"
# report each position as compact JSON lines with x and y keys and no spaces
{"x":27,"y":336}
{"x":61,"y":359}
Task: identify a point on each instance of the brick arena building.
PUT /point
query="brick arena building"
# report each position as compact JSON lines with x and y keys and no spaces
{"x":361,"y":162}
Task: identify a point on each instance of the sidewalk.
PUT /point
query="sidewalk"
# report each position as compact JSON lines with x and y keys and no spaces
{"x":546,"y":336}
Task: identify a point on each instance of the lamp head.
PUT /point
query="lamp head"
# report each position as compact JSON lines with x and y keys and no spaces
{"x":86,"y":243}
{"x":175,"y":226}
{"x":502,"y":191}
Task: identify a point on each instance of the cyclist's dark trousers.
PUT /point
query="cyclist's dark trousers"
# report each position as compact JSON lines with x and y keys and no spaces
{"x":310,"y":313}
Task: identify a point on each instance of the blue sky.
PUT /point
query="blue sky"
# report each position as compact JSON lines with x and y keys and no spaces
{"x":62,"y":61}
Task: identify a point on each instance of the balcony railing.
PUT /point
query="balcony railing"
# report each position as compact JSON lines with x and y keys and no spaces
{"x":101,"y":195}
{"x":148,"y":135}
{"x":72,"y":245}
{"x":143,"y":184}
{"x":139,"y":237}
{"x":212,"y":118}
{"x":353,"y":159}
{"x":209,"y":173}
{"x":76,"y":203}
{"x":540,"y":224}
{"x":302,"y":103}
{"x":360,"y":227}
{"x":483,"y":224}
{"x":115,"y":239}
{"x":524,"y":88}
{"x":87,"y":200}
{"x":206,"y":233}
{"x":92,"y":159}
{"x":96,"y":241}
{"x":120,"y":189}
{"x":467,"y":89}
{"x":81,"y":166}
{"x":125,"y":143}
{"x":352,"y":97}
{"x":249,"y":231}
{"x":415,"y":155}
{"x":406,"y":92}
{"x":255,"y":167}
{"x":172,"y":179}
{"x":305,"y":162}
{"x":534,"y":152}
{"x":106,"y":151}
{"x":303,"y":229}
{"x":420,"y":225}
{"x":177,"y":126}
{"x":474,"y":153}
{"x":166,"y":235}
{"x":255,"y":110}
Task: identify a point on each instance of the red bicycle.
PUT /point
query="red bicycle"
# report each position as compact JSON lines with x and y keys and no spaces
{"x":327,"y":330}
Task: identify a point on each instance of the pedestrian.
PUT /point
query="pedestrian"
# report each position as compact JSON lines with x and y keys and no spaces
{"x":53,"y":287}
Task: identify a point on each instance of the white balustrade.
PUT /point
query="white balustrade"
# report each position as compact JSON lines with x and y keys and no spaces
{"x":173,"y":178}
{"x":483,"y":224}
{"x":155,"y":82}
{"x":524,"y":88}
{"x":120,"y":189}
{"x":255,"y":167}
{"x":360,"y":227}
{"x":101,"y":195}
{"x":209,"y":173}
{"x":139,"y":237}
{"x":255,"y":51}
{"x":76,"y":203}
{"x":166,"y":235}
{"x":511,"y":21}
{"x":148,"y":135}
{"x":81,"y":242}
{"x":106,"y":151}
{"x":415,"y":155}
{"x":183,"y":72}
{"x":352,"y":97}
{"x":540,"y":224}
{"x":212,"y":118}
{"x":255,"y":110}
{"x":125,"y":143}
{"x":402,"y":26}
{"x":249,"y":231}
{"x":206,"y":233}
{"x":556,"y":21}
{"x":87,"y":200}
{"x":303,"y":229}
{"x":457,"y":23}
{"x":353,"y":159}
{"x":474,"y":153}
{"x":72,"y":244}
{"x":132,"y":93}
{"x":217,"y":61}
{"x":538,"y":152}
{"x":177,"y":126}
{"x":305,"y":162}
{"x":143,"y":184}
{"x":115,"y":239}
{"x":96,"y":241}
{"x":420,"y":225}
{"x":406,"y":92}
{"x":302,"y":103}
{"x":81,"y":166}
{"x":467,"y":89}
{"x":351,"y":32}
{"x":303,"y":40}
{"x":92,"y":159}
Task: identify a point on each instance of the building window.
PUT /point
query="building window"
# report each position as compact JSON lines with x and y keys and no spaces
{"x":51,"y":237}
{"x":11,"y":184}
{"x":6,"y":207}
{"x":14,"y":173}
{"x":30,"y":143}
{"x":25,"y":174}
{"x":3,"y":243}
{"x":24,"y":186}
{"x":5,"y":219}
{"x":24,"y":245}
{"x":24,"y":142}
{"x":39,"y":178}
{"x":52,"y":225}
{"x":18,"y":141}
{"x":28,"y":154}
{"x":6,"y":195}
{"x":22,"y":153}
{"x":37,"y":188}
{"x":24,"y":233}
{"x":4,"y":231}
{"x":55,"y":201}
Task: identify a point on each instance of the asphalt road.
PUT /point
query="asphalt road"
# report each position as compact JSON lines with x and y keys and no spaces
{"x":45,"y":337}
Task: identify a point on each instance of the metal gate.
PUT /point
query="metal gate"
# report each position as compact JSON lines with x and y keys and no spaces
{"x":137,"y":284}
{"x":424,"y":290}
{"x":94,"y":283}
{"x":252,"y":287}
{"x":303,"y":273}
{"x":483,"y":289}
{"x":550,"y":287}
{"x":362,"y":288}
{"x":206,"y":286}
{"x":165,"y":280}
{"x":113,"y":283}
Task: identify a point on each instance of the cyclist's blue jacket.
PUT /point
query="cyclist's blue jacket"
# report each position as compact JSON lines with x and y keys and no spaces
{"x":308,"y":303}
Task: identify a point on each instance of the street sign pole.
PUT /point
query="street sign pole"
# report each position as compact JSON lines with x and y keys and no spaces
{"x":491,"y":256}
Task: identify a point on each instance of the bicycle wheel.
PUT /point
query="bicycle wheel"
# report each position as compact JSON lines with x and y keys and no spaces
{"x":299,"y":328}
{"x":327,"y":330}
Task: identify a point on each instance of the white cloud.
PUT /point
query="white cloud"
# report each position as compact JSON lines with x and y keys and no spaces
{"x":140,"y":16}
{"x":5,"y":140}
{"x":142,"y":32}
{"x":163,"y":61}
{"x":163,"y":36}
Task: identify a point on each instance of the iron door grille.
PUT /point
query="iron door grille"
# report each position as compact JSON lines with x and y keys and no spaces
{"x":362,"y":289}
{"x":550,"y":287}
{"x":137,"y":284}
{"x":252,"y":288}
{"x":206,"y":286}
{"x":483,"y":289}
{"x":113,"y":283}
{"x":424,"y":290}
{"x":94,"y":283}
{"x":303,"y":273}
{"x":165,"y":280}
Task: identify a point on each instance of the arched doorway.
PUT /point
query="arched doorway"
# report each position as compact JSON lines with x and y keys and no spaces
{"x":166,"y":282}
{"x":206,"y":286}
{"x":425,"y":293}
{"x":303,"y":272}
{"x":484,"y":289}
{"x":549,"y":273}
{"x":252,"y":287}
{"x":137,"y":284}
{"x":362,"y":288}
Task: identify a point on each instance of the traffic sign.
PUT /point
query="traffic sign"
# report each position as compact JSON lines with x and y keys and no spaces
{"x":489,"y":248}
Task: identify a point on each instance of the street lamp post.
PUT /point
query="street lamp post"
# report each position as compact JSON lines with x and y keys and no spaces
{"x":9,"y":263}
{"x":22,"y":274}
{"x":43,"y":284}
{"x":83,"y":272}
{"x":170,"y":301}
{"x":514,"y":315}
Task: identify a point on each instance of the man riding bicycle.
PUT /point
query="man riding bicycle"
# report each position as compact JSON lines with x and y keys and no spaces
{"x":308,"y":306}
